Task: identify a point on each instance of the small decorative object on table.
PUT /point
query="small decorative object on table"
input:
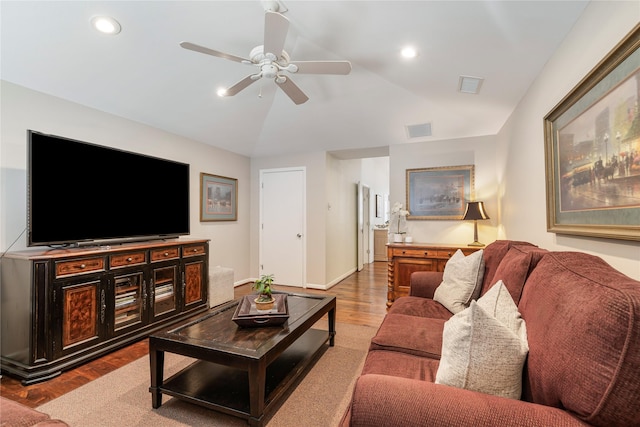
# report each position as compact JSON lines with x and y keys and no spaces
{"x":399,"y":215}
{"x":249,"y":316}
{"x":263,"y":285}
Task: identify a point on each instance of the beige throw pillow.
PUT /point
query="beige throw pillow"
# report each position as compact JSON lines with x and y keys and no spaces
{"x":484,"y":347}
{"x":461,"y":281}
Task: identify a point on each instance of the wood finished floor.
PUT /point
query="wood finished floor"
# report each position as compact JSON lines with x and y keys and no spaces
{"x":361,"y":300}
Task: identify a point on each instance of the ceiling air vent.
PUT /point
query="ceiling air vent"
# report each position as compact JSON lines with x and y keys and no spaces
{"x":468,"y":84}
{"x":418,"y":131}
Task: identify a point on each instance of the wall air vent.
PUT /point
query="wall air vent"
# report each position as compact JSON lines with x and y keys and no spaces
{"x":418,"y":131}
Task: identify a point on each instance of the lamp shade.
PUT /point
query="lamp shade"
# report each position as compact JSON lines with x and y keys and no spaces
{"x":475,"y":210}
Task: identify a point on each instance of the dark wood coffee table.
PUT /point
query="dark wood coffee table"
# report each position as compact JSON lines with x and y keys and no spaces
{"x":242,"y":372}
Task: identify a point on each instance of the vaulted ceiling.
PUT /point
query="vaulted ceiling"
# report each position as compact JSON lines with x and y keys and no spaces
{"x":144,"y":75}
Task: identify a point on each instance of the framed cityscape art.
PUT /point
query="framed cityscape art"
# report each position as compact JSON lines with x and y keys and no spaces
{"x":218,"y":198}
{"x":592,"y":150}
{"x":439,"y":193}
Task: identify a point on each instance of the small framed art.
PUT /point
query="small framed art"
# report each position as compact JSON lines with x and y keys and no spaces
{"x":218,"y":198}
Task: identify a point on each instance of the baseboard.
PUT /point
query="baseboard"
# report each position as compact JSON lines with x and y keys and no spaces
{"x":308,"y":285}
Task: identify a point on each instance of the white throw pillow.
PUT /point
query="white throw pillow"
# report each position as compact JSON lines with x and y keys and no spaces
{"x":461,"y":281}
{"x":483,"y":352}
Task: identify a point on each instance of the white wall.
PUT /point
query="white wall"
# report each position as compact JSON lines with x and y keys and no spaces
{"x":23,"y":109}
{"x":521,"y":166}
{"x":342,"y":227}
{"x":481,"y":153}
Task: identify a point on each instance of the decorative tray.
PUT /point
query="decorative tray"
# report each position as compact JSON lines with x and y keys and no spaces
{"x":248,"y":316}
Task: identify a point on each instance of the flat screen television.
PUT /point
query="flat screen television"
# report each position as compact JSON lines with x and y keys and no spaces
{"x":82,"y":193}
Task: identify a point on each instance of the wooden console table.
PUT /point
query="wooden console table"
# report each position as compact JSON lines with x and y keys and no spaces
{"x":405,"y":258}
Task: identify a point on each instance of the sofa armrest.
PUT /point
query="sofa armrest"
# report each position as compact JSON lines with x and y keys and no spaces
{"x":380,"y":399}
{"x":424,"y":283}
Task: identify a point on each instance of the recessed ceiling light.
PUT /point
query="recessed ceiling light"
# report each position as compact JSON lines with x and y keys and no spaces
{"x":106,"y":24}
{"x":409,"y":52}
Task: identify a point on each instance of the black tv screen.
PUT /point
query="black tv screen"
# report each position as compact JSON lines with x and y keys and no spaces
{"x":80,"y":192}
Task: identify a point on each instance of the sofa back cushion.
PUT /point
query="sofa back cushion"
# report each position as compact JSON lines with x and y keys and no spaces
{"x":515,"y":267}
{"x":493,"y":255}
{"x":583,"y":327}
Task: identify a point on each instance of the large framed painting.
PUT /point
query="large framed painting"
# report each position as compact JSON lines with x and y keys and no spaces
{"x":439,"y":193}
{"x":218,"y":198}
{"x":592,"y":150}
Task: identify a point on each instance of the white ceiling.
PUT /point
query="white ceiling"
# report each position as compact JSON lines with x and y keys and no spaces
{"x":144,"y":75}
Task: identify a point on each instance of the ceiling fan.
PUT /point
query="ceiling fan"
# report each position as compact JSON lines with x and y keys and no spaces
{"x":272,"y":61}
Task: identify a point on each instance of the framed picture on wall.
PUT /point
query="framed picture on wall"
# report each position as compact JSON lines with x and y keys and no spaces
{"x":379,"y":206}
{"x":440,"y":192}
{"x":218,"y":198}
{"x":592,"y":150}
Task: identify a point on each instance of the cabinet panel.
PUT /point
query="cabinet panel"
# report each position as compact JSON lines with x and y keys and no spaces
{"x":194,"y":282}
{"x":126,"y":260}
{"x":164,"y":289}
{"x":165,"y":254}
{"x":81,"y":308}
{"x":195,"y":250}
{"x":380,"y":239}
{"x":79,"y":266}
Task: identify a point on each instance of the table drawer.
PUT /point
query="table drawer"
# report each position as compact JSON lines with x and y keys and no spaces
{"x":446,"y":253}
{"x":195,"y":250}
{"x":164,"y":254}
{"x":124,"y":260}
{"x":79,"y":266}
{"x":414,"y":253}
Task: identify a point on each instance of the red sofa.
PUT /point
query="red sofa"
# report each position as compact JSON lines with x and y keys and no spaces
{"x":14,"y":414}
{"x":583,"y":366}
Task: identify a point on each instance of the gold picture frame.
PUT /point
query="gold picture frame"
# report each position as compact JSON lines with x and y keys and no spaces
{"x":592,"y":150}
{"x":439,"y":192}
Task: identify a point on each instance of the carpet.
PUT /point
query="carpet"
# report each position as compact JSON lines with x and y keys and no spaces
{"x":121,"y":398}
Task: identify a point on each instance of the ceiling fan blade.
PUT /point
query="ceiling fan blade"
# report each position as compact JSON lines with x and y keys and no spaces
{"x":275,"y":33}
{"x":240,"y":85}
{"x":206,"y":50}
{"x":293,"y":91}
{"x":322,"y":67}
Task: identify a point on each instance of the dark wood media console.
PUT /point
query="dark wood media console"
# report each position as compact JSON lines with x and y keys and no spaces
{"x":62,"y":307}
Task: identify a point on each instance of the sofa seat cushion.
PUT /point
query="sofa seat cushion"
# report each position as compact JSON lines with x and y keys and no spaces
{"x":485,"y":346}
{"x":461,"y":281}
{"x":420,"y":307}
{"x":409,"y":334}
{"x":515,"y":267}
{"x":400,"y":365}
{"x":583,"y":324}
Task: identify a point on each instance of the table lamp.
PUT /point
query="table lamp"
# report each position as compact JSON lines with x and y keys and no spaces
{"x":475,"y":211}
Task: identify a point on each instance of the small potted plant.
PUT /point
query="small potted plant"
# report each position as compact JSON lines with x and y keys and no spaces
{"x":265,"y":300}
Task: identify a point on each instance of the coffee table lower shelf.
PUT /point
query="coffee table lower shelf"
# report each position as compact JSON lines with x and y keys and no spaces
{"x":226,"y":389}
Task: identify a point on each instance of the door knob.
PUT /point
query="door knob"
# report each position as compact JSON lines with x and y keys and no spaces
{"x":299,"y":235}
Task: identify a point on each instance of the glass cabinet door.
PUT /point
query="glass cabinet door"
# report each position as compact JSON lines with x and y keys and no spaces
{"x":129,"y":300}
{"x":164,"y":289}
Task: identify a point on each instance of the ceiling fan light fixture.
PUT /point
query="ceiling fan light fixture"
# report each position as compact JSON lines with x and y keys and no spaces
{"x":106,"y":25}
{"x":222,"y":92}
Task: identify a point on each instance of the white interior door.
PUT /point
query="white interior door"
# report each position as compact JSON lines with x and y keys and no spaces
{"x":364,"y":224}
{"x":282,"y":225}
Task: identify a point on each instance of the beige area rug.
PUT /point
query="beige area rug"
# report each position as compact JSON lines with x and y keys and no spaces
{"x":121,"y":398}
